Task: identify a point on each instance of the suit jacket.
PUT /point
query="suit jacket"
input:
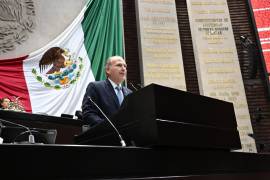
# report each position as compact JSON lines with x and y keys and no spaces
{"x":103,"y":94}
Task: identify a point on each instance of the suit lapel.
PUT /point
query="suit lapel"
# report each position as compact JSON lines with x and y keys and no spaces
{"x":111,"y":92}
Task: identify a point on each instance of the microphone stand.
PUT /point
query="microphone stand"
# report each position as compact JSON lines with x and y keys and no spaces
{"x":123,"y":144}
{"x":141,"y":86}
{"x":31,"y":138}
{"x":131,"y":84}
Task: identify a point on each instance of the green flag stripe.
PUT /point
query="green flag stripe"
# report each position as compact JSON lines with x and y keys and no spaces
{"x":103,"y":33}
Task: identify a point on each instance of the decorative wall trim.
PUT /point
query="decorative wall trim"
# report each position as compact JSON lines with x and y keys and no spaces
{"x":17,"y":20}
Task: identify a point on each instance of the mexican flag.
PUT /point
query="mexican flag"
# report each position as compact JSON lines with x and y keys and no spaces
{"x":53,"y":79}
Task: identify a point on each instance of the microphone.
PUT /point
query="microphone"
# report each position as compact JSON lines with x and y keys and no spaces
{"x":31,"y":138}
{"x":1,"y":139}
{"x":141,"y":86}
{"x":131,"y":84}
{"x":119,"y":135}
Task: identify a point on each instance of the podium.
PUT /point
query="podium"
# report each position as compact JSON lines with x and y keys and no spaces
{"x":165,"y":117}
{"x":189,"y":135}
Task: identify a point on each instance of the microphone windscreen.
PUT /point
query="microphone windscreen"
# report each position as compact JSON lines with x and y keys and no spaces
{"x":31,"y":139}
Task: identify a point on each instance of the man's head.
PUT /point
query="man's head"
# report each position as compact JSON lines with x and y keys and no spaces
{"x":5,"y":102}
{"x":116,"y":69}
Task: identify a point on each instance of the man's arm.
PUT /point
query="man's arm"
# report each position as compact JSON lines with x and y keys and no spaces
{"x":90,"y":113}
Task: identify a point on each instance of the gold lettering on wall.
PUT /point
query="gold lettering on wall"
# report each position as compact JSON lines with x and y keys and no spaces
{"x":217,"y":62}
{"x":160,"y":49}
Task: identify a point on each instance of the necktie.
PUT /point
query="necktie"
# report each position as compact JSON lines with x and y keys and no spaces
{"x":119,"y":94}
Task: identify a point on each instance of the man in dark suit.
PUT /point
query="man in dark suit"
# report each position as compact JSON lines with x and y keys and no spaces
{"x":107,"y":94}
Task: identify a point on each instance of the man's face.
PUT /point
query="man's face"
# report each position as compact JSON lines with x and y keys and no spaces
{"x":117,"y":70}
{"x":5,"y":103}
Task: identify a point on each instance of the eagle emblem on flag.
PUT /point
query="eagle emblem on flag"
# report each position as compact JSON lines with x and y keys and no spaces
{"x":58,"y":68}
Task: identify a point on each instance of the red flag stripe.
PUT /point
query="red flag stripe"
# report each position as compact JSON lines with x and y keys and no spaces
{"x":256,"y":4}
{"x":261,"y":9}
{"x":12,"y":81}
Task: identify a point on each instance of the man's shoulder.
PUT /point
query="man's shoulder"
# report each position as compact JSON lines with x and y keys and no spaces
{"x":98,"y":84}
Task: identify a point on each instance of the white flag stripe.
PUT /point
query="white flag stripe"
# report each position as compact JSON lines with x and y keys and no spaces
{"x":65,"y":100}
{"x":265,"y":39}
{"x":67,"y":32}
{"x":265,"y":42}
{"x":261,"y":9}
{"x":266,"y":50}
{"x":263,"y":29}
